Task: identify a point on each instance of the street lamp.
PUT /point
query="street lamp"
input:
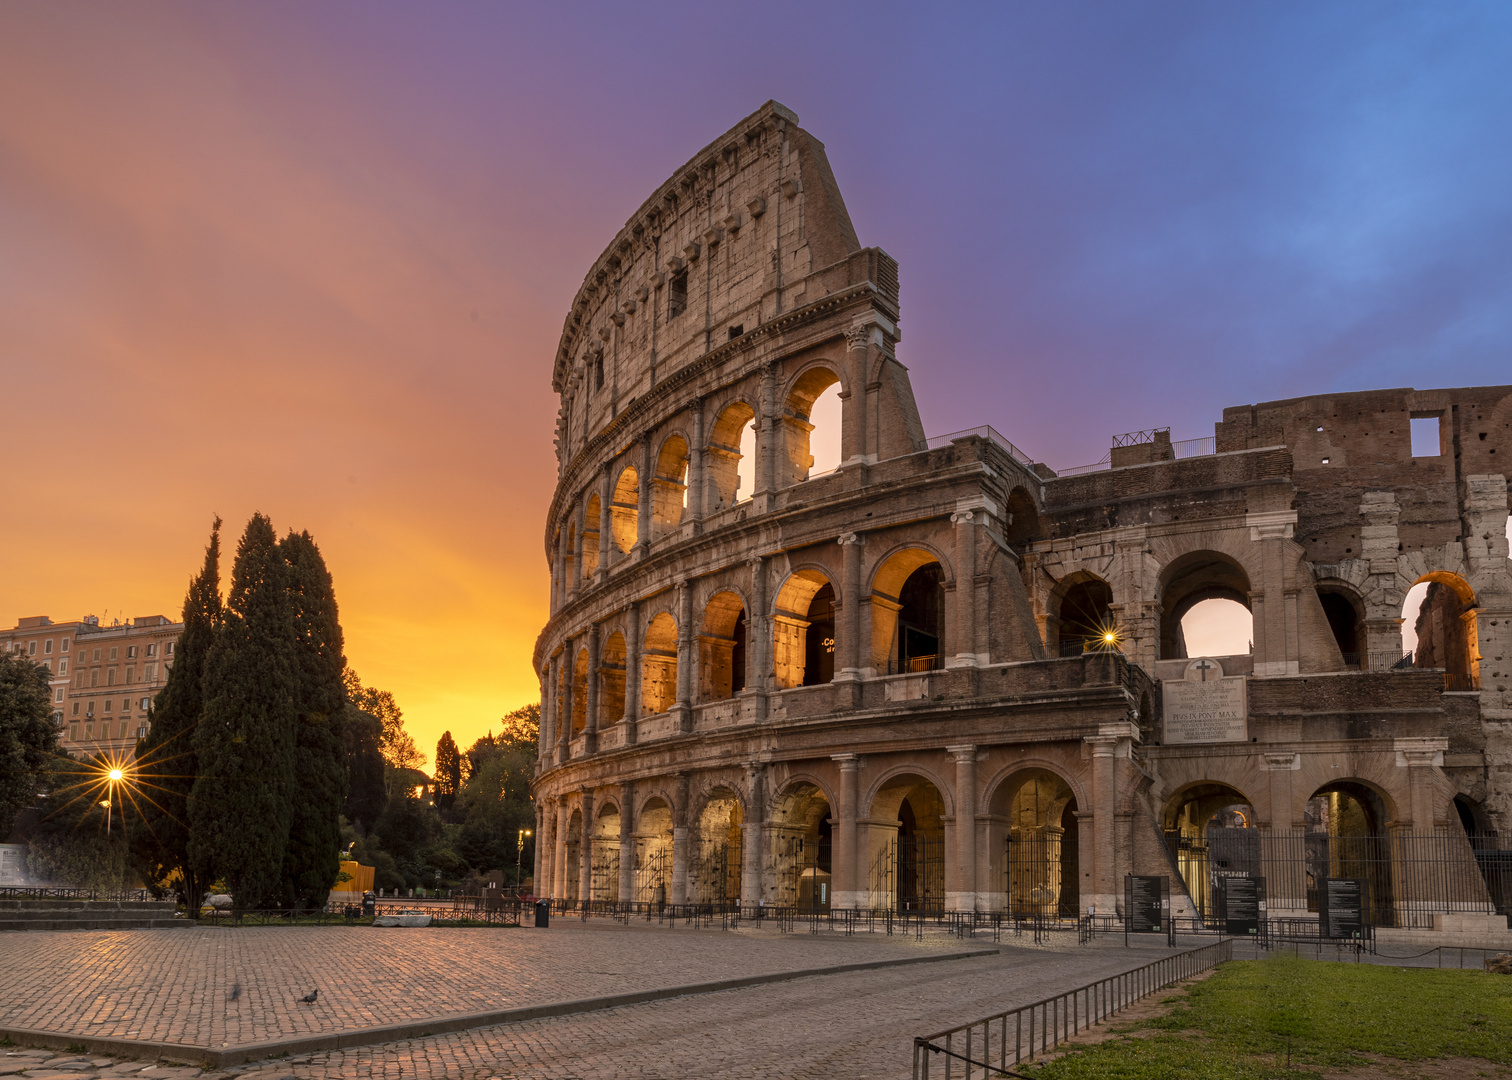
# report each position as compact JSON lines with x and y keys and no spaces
{"x":519,"y":847}
{"x":113,"y":777}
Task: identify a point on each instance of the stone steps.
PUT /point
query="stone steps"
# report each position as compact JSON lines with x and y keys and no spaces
{"x":88,"y":915}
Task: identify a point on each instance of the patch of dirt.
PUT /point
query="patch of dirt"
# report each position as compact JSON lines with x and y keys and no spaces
{"x":1458,"y":1068}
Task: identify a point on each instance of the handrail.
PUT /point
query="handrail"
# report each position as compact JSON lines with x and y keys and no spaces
{"x":1054,"y":1020}
{"x":986,"y":431}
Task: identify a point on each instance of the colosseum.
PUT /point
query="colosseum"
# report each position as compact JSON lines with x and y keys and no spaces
{"x":938,"y":675}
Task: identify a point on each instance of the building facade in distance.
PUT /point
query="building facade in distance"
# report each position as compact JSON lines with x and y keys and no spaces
{"x":944,"y":677}
{"x":104,"y":677}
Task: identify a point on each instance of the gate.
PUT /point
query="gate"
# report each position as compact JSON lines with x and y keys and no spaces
{"x":606,"y":863}
{"x":653,"y":868}
{"x":909,"y":875}
{"x":1042,"y":874}
{"x":716,"y":875}
{"x":803,"y":877}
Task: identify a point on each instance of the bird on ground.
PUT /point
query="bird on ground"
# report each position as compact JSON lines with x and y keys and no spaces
{"x":235,"y":992}
{"x":309,"y":999}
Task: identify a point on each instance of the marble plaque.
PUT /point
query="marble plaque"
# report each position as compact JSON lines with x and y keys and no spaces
{"x":1206,"y":706}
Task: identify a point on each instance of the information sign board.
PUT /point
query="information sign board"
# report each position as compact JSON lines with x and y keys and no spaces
{"x":1147,"y":900}
{"x":1343,"y":907}
{"x":1205,"y":706}
{"x":1241,"y":900}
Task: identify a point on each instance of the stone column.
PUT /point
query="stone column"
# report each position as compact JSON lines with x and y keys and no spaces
{"x":627,"y":842}
{"x":643,"y":501}
{"x":844,"y":859}
{"x":969,"y":514}
{"x":585,"y":852}
{"x":1285,"y":884}
{"x":680,"y":842}
{"x":853,"y":396}
{"x":632,"y":671}
{"x":564,"y":587}
{"x":564,"y":727}
{"x":697,"y":480}
{"x":543,"y":746}
{"x":543,"y":850}
{"x":1277,"y":652}
{"x":1382,"y":596}
{"x":591,"y":706}
{"x":1105,"y":890}
{"x":752,"y":830}
{"x":579,"y":516}
{"x":682,"y":709}
{"x":564,"y":825}
{"x":758,"y":639}
{"x":849,"y":647}
{"x":963,"y":897}
{"x":766,"y":456}
{"x":606,"y":521}
{"x":1421,"y":758}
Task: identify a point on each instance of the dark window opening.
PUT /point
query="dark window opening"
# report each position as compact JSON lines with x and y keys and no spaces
{"x":1345,"y":624}
{"x":738,"y":655}
{"x":819,"y":643}
{"x":677,"y":295}
{"x":921,"y":619}
{"x":736,"y":331}
{"x":598,"y":372}
{"x":1085,"y":617}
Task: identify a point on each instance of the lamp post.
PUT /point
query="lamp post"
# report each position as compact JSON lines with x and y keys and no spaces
{"x":519,"y":847}
{"x":114,"y":776}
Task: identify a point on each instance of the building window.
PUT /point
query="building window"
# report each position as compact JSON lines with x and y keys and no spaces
{"x":97,"y":656}
{"x":110,"y":677}
{"x":677,"y":294}
{"x":131,"y":652}
{"x":145,"y":702}
{"x":130,"y":673}
{"x":73,"y":733}
{"x":113,"y":651}
{"x":151,"y":650}
{"x":149,"y":673}
{"x":58,"y":694}
{"x":62,"y":667}
{"x":125,"y":704}
{"x":142,"y":731}
{"x":48,"y":665}
{"x":89,"y":710}
{"x":168,"y":649}
{"x":89,"y":732}
{"x":65,"y":644}
{"x":94,"y":677}
{"x":47,"y":646}
{"x":76,"y":708}
{"x":598,"y":372}
{"x":108,"y":703}
{"x":31,"y":648}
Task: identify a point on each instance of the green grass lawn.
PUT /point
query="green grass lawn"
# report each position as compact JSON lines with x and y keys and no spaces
{"x":1238,"y":1023}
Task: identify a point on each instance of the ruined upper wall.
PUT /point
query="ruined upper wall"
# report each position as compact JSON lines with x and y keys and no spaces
{"x":751,"y":227}
{"x":1343,"y":445}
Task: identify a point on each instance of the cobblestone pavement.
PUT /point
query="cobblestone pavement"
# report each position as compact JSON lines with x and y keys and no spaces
{"x":175,"y":985}
{"x":857,"y":1025}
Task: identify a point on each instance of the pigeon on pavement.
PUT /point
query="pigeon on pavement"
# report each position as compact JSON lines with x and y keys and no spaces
{"x":309,"y":999}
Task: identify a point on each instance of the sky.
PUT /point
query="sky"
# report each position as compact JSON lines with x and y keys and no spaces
{"x":313,"y":260}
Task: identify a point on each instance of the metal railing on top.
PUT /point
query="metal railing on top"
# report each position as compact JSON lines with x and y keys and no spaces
{"x":51,"y":893}
{"x":987,"y":432}
{"x":1185,"y":448}
{"x":1031,"y":1030}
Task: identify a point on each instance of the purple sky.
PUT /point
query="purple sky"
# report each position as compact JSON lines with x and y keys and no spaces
{"x":313,"y":259}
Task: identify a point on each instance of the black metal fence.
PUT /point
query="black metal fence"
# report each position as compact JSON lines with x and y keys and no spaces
{"x":987,"y":1047}
{"x":49,"y":893}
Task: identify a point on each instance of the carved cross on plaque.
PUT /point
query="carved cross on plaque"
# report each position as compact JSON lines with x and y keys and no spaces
{"x":1205,"y":666}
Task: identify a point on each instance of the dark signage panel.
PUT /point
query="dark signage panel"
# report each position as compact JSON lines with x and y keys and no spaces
{"x":1341,"y":907}
{"x":1145,"y":898}
{"x":1242,"y":899}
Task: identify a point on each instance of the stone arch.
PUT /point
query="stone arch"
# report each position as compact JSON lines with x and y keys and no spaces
{"x":569,"y":561}
{"x":722,"y":646}
{"x":1347,"y":830}
{"x":803,"y":629}
{"x":1209,"y":830}
{"x":1034,"y":842}
{"x":1081,"y":615}
{"x":799,"y":834}
{"x":669,"y":485}
{"x":1189,"y":579}
{"x":580,"y":691}
{"x":989,"y":791}
{"x":715,"y":863}
{"x":612,"y":680}
{"x":722,"y":456}
{"x":659,"y":664}
{"x":908,"y":610}
{"x":803,"y":390}
{"x":605,"y":856}
{"x":902,"y":839}
{"x":652,"y":849}
{"x":1344,"y":608}
{"x":624,"y":509}
{"x":1448,"y":635}
{"x":1023,"y":519}
{"x":573,"y":853}
{"x":591,"y":514}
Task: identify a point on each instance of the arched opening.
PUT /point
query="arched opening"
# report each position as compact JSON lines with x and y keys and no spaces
{"x":908,"y":613}
{"x":731,"y":459}
{"x":715,"y":877}
{"x":574,"y":857}
{"x":1023,"y":519}
{"x":569,"y":561}
{"x":1210,"y":833}
{"x":659,"y":665}
{"x":813,"y":401}
{"x":722,"y":648}
{"x":612,"y":681}
{"x":591,"y":515}
{"x":1346,"y":620}
{"x":1440,"y":610}
{"x":1219,"y":629}
{"x":1346,"y":837}
{"x":803,"y":631}
{"x":606,"y":856}
{"x":580,"y":692}
{"x":669,"y":490}
{"x":801,"y":849}
{"x":1034,"y":826}
{"x":1084,"y":617}
{"x":904,"y":841}
{"x":653,"y":853}
{"x":624,"y":511}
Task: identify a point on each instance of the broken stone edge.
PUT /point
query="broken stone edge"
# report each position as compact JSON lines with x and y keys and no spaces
{"x":339,"y":1040}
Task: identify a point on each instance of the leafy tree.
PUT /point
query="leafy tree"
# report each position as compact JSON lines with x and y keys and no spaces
{"x":399,"y":749}
{"x":448,"y":773}
{"x":311,"y":858}
{"x":496,"y":801}
{"x":367,"y":793}
{"x":167,"y":763}
{"x":241,"y":804}
{"x":78,"y":841}
{"x":28,"y":736}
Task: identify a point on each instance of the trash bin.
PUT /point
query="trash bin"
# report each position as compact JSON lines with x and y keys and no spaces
{"x":543,"y":912}
{"x":369,"y":904}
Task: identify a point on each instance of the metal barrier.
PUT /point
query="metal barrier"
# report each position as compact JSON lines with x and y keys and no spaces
{"x":48,"y":893}
{"x":1031,"y":1030}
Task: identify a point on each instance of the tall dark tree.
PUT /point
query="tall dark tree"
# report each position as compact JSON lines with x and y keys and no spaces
{"x":312,"y":856}
{"x":166,"y":760}
{"x":241,"y":804}
{"x":448,"y":773}
{"x":28,"y":736}
{"x":367,"y":794}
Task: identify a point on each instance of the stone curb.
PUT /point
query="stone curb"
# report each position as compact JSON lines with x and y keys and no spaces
{"x":338,"y":1040}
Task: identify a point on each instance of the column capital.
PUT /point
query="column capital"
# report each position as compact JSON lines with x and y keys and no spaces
{"x":962,"y":753}
{"x":847,"y":762}
{"x":1102,"y":745}
{"x":850,"y":538}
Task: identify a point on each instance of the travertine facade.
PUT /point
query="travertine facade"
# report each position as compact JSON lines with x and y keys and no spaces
{"x":933,"y":676}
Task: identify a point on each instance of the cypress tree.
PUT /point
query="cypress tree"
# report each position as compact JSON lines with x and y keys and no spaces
{"x":166,"y":760}
{"x":312,"y":858}
{"x":448,"y":773}
{"x":241,"y":804}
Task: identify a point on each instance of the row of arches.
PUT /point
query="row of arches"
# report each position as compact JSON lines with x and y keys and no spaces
{"x":809,"y":444}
